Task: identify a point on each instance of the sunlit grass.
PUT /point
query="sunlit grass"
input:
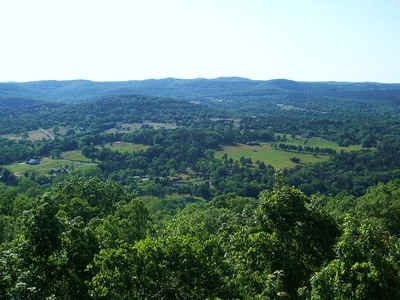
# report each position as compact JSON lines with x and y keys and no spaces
{"x":126,"y":147}
{"x":46,"y":164}
{"x":270,"y":156}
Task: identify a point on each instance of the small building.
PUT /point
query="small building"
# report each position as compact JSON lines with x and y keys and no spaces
{"x":305,"y":135}
{"x":33,"y":162}
{"x":60,"y":171}
{"x":146,"y":126}
{"x":179,"y":183}
{"x":253,"y":143}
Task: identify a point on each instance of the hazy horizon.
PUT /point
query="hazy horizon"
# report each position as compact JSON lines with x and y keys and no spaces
{"x":194,"y":78}
{"x":342,"y":41}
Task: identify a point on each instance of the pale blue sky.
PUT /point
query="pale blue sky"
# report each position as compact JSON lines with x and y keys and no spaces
{"x":341,"y":40}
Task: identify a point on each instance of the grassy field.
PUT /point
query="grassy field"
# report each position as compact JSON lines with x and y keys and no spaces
{"x":318,"y":142}
{"x":37,"y":135}
{"x":277,"y":158}
{"x":126,"y":147}
{"x":75,"y":155}
{"x":34,"y":135}
{"x":129,"y":127}
{"x":46,"y":164}
{"x":236,"y":122}
{"x":289,"y":107}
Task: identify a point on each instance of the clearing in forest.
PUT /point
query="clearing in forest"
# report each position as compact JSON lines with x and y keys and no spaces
{"x":37,"y":135}
{"x":266,"y":153}
{"x":126,"y":147}
{"x":46,"y":164}
{"x":129,"y":127}
{"x":75,"y":155}
{"x":316,"y":142}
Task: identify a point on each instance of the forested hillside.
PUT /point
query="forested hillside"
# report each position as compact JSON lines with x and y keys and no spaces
{"x":219,"y":91}
{"x":225,"y":189}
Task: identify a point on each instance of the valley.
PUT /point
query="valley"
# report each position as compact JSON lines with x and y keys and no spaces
{"x":259,"y":180}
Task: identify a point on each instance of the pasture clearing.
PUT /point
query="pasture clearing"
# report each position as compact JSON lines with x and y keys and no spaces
{"x":129,"y":127}
{"x":317,"y":142}
{"x":75,"y":155}
{"x":126,"y":147}
{"x":266,"y":153}
{"x":46,"y":164}
{"x":37,"y":135}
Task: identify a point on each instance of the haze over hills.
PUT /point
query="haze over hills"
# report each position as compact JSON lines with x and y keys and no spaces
{"x":215,"y":162}
{"x":199,"y":89}
{"x":280,"y":180}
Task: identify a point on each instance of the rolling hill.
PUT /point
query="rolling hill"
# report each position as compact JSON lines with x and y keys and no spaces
{"x":79,"y":90}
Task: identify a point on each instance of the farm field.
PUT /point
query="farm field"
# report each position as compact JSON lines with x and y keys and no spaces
{"x":126,"y":147}
{"x":236,"y":122}
{"x":46,"y":164}
{"x":75,"y":155}
{"x":128,"y":127}
{"x":37,"y":135}
{"x":266,"y":153}
{"x":295,"y":108}
{"x":34,"y":135}
{"x":289,"y":107}
{"x":318,"y":142}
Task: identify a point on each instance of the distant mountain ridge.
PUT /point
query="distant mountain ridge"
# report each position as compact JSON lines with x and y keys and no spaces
{"x":198,"y":89}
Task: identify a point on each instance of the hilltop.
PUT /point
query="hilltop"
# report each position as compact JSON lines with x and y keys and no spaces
{"x":198,"y":89}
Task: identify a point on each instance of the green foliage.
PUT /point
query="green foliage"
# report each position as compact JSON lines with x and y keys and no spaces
{"x":129,"y":223}
{"x":57,"y":240}
{"x":383,"y":202}
{"x":379,"y":202}
{"x":6,"y":229}
{"x":32,"y":262}
{"x":178,"y":267}
{"x":94,"y":195}
{"x":287,"y":237}
{"x":366,"y":265}
{"x":197,"y":229}
{"x":352,"y":172}
{"x":234,"y":202}
{"x":87,"y":239}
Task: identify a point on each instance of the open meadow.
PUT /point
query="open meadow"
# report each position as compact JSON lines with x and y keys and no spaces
{"x":318,"y":142}
{"x":38,"y":134}
{"x":129,"y":127}
{"x":46,"y":164}
{"x":125,"y":147}
{"x":75,"y":155}
{"x":266,"y":153}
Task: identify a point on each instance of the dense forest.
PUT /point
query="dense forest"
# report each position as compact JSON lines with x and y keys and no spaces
{"x":199,"y":189}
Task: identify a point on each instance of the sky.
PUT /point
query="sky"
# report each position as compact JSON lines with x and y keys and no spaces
{"x":305,"y":40}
